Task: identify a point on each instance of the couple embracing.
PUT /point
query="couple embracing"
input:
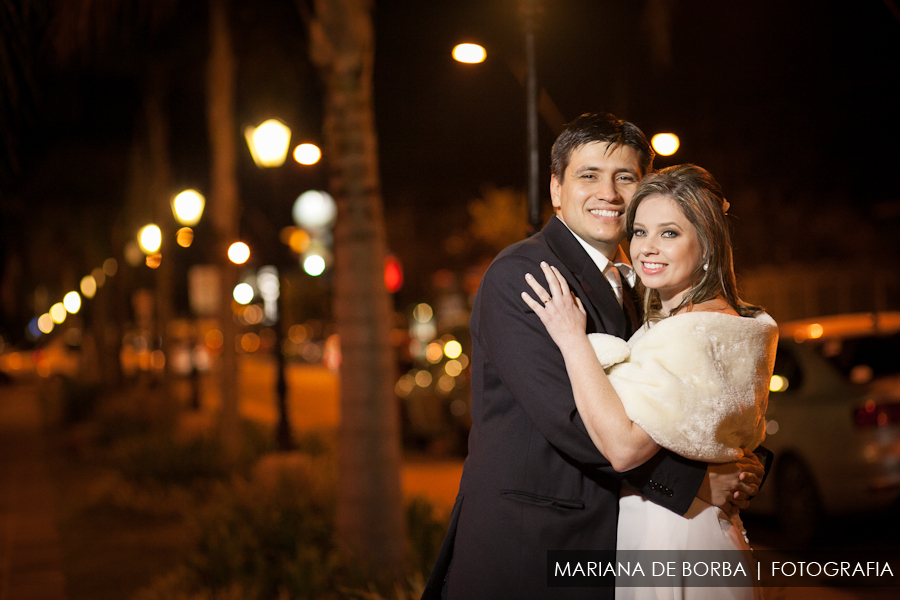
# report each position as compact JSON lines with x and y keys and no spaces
{"x":579,"y":440}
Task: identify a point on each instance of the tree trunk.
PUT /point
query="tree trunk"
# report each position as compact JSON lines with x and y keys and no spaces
{"x":223,"y":209}
{"x":160,"y":190}
{"x":370,"y":523}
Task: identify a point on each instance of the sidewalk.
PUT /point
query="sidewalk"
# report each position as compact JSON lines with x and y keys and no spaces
{"x":30,"y":555}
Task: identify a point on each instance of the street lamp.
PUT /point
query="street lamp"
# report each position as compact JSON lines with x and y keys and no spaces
{"x":268,"y":143}
{"x":665,"y":144}
{"x":473,"y":53}
{"x":150,"y":238}
{"x":469,"y":53}
{"x":188,"y":206}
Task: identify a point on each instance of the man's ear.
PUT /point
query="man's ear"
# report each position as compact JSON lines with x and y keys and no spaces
{"x":555,"y":187}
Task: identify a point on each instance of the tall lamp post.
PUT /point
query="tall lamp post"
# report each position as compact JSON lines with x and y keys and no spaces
{"x":269,"y":143}
{"x":531,"y":103}
{"x":187,"y":207}
{"x":534,"y":103}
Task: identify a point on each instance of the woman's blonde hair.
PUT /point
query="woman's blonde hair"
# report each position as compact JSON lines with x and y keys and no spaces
{"x":699,"y":197}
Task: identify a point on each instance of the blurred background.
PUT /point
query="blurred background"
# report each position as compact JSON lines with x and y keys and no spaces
{"x":110,"y":297}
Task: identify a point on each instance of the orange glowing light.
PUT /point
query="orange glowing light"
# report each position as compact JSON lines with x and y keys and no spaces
{"x":469,"y":53}
{"x":184,"y":237}
{"x":239,"y":253}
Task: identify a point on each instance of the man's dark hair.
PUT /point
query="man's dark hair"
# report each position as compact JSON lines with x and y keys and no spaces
{"x":599,"y":127}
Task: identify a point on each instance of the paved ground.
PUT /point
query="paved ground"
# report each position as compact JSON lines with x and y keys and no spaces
{"x":30,"y":556}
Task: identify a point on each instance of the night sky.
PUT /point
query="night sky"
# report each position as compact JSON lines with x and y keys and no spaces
{"x":791,"y":105}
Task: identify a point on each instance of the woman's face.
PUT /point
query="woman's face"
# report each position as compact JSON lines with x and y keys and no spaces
{"x":665,"y":249}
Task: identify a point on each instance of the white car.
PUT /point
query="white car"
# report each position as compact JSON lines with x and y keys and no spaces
{"x":833,"y":421}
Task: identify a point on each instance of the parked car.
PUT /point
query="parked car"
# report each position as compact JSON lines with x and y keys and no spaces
{"x":833,"y":421}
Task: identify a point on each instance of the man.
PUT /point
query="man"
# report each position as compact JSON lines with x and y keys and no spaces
{"x":533,"y":480}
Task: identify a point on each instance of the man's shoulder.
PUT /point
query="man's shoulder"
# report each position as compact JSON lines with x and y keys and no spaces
{"x":519,"y":258}
{"x":532,"y":246}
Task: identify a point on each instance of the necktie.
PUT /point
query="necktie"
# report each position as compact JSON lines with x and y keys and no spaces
{"x":615,"y":280}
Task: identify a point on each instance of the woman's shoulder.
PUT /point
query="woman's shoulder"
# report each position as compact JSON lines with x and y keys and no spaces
{"x":704,"y":322}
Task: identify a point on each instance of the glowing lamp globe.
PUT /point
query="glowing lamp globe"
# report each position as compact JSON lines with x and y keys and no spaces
{"x":469,"y":53}
{"x":188,"y":207}
{"x":150,"y":239}
{"x":665,"y":144}
{"x":269,"y":143}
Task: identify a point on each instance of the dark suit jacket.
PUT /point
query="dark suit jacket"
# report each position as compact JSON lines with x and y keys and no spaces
{"x":533,"y":480}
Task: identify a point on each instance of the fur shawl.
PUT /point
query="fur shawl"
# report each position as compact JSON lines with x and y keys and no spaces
{"x":697,"y":383}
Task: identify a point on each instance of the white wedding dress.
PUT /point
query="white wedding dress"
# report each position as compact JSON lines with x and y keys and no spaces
{"x":698,"y":384}
{"x":644,"y":525}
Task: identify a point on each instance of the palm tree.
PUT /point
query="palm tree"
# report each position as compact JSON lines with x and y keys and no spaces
{"x":370,"y":524}
{"x":224,"y":202}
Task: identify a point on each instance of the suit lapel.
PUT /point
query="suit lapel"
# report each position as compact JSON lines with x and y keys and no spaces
{"x":596,"y":287}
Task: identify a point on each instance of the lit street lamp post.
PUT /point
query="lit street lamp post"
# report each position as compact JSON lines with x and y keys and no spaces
{"x":535,"y":102}
{"x":269,"y":145}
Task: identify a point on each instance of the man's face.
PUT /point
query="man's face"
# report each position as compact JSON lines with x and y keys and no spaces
{"x":597,"y":186}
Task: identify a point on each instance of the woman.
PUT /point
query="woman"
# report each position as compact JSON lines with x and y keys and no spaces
{"x":693,"y":379}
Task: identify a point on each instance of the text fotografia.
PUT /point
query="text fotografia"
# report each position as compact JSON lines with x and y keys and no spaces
{"x":696,"y":568}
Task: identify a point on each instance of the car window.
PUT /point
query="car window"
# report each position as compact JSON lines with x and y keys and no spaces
{"x":787,"y":368}
{"x":862,"y":359}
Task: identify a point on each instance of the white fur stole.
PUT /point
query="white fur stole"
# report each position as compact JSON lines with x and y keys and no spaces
{"x":697,"y":383}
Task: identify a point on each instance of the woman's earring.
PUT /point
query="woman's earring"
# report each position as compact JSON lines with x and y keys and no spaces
{"x":705,"y":266}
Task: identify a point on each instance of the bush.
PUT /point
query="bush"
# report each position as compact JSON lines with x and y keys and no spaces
{"x":426,"y":534}
{"x":273,"y":541}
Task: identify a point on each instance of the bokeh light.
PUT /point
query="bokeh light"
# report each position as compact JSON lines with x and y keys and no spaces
{"x":150,"y":238}
{"x":453,"y":368}
{"x":665,"y":144}
{"x":307,"y":154}
{"x":88,"y":286}
{"x":184,"y":237}
{"x":393,"y":274}
{"x":58,"y":313}
{"x":268,"y":143}
{"x":99,"y":276}
{"x":153,"y":260}
{"x":469,"y":53}
{"x":243,"y":293}
{"x":72,"y":302}
{"x":423,"y":313}
{"x":45,"y":323}
{"x":214,"y":339}
{"x":188,"y":207}
{"x":434,"y":353}
{"x":446,"y":384}
{"x":110,"y":266}
{"x":250,"y":342}
{"x":314,"y":265}
{"x":314,"y":209}
{"x":239,"y":253}
{"x":423,"y":378}
{"x":452,"y":349}
{"x":778,"y":383}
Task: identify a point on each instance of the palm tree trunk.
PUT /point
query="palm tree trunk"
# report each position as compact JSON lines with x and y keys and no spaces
{"x":159,"y":192}
{"x":370,"y":524}
{"x":224,"y":209}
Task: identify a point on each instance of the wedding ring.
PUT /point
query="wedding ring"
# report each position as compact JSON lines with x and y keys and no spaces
{"x":547,"y":301}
